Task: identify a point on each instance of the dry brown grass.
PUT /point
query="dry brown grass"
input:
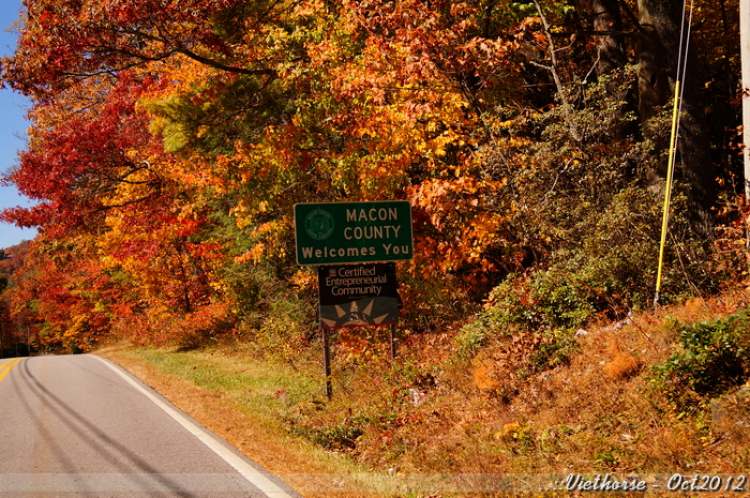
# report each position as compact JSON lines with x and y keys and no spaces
{"x":431,"y":413}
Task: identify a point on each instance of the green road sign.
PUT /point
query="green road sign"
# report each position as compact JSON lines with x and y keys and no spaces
{"x":353,"y":232}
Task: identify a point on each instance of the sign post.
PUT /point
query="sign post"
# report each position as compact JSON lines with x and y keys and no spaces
{"x":355,"y":246}
{"x":394,"y":341}
{"x":327,"y":361}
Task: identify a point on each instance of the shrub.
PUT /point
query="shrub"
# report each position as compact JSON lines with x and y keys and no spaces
{"x":586,"y":212}
{"x":336,"y":436}
{"x":715,"y":357}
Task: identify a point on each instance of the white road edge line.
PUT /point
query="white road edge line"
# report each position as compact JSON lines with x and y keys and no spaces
{"x":247,"y":471}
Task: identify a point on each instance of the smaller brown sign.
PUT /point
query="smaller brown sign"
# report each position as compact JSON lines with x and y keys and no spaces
{"x":358,"y":295}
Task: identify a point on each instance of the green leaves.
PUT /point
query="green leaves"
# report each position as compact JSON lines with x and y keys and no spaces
{"x":715,"y":357}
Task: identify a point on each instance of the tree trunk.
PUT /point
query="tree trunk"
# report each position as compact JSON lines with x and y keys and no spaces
{"x":611,"y":56}
{"x":607,"y":19}
{"x":653,"y":83}
{"x":658,"y":58}
{"x":745,"y":56}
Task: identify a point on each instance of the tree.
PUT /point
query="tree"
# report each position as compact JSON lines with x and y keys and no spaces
{"x":607,"y":23}
{"x":65,"y":41}
{"x":80,"y":150}
{"x":659,"y":53}
{"x":171,"y":140}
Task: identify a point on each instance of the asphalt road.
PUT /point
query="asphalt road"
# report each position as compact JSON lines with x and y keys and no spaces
{"x":80,"y":425}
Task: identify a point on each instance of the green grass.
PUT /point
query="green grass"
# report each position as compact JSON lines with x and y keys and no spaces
{"x":271,"y":389}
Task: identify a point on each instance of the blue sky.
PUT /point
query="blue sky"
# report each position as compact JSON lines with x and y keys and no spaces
{"x":12,"y":129}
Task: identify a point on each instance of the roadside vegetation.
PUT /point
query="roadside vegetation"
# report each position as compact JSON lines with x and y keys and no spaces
{"x":654,"y":394}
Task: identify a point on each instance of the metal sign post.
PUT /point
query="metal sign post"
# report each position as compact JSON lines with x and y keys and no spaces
{"x":327,"y":361}
{"x":394,"y":339}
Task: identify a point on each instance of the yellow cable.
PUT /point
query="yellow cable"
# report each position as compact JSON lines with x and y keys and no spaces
{"x":667,"y":190}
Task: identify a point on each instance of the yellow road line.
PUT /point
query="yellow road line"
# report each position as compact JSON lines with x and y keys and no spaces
{"x":7,"y":367}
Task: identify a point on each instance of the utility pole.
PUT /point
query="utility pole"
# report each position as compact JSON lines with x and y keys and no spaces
{"x":745,"y":56}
